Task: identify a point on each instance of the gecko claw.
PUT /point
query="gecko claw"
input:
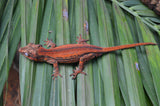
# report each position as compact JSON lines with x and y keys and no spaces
{"x":80,"y":40}
{"x":56,"y":75}
{"x":76,"y":72}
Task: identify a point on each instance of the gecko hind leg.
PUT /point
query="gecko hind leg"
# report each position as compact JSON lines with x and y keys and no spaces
{"x":83,"y":59}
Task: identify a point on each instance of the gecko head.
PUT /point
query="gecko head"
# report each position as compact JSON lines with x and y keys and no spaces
{"x":31,"y":51}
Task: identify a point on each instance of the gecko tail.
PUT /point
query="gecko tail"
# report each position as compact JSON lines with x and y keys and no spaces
{"x":109,"y":49}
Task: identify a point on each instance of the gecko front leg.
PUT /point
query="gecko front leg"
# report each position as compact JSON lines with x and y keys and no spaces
{"x":55,"y":65}
{"x":82,"y":60}
{"x":49,"y":43}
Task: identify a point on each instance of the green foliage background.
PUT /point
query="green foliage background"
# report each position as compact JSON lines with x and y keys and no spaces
{"x":113,"y":79}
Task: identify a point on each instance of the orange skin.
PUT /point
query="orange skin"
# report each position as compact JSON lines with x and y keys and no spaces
{"x":70,"y":53}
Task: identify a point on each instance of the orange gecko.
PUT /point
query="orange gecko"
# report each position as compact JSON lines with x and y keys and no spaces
{"x":70,"y":53}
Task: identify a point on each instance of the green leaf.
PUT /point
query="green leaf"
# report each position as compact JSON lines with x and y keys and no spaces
{"x":153,"y":56}
{"x":108,"y":70}
{"x":129,"y":57}
{"x":131,"y":2}
{"x":140,"y":14}
{"x":4,"y":63}
{"x":28,"y":34}
{"x":6,"y":17}
{"x":3,"y":68}
{"x":42,"y":83}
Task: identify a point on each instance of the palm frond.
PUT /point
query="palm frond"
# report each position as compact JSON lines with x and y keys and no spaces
{"x":137,"y":9}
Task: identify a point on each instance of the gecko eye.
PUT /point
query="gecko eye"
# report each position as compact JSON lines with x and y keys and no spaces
{"x":26,"y":54}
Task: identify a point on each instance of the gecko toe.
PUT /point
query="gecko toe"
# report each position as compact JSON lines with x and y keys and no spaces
{"x":73,"y":77}
{"x":56,"y":75}
{"x":73,"y":74}
{"x":54,"y":78}
{"x":83,"y":73}
{"x":76,"y":72}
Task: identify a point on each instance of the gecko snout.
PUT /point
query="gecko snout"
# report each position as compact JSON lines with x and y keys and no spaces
{"x":20,"y":49}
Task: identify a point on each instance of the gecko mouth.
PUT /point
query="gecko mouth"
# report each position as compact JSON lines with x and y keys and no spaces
{"x":25,"y":54}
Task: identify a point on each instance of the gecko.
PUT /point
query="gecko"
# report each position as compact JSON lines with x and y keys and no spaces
{"x":69,"y":53}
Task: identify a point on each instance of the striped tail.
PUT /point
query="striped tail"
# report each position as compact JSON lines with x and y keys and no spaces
{"x":109,"y":49}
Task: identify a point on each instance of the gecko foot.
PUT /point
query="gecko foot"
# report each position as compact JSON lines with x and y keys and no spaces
{"x":80,"y":40}
{"x":76,"y":72}
{"x":49,"y":43}
{"x":56,"y":74}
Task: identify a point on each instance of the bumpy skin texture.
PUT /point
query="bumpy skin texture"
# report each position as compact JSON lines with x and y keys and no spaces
{"x":70,"y":53}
